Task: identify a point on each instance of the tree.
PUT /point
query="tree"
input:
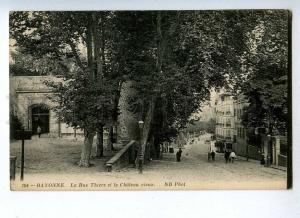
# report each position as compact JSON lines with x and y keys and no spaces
{"x":180,"y":56}
{"x":264,"y":71}
{"x":15,"y":124}
{"x":85,"y":98}
{"x":27,"y":65}
{"x":173,"y":60}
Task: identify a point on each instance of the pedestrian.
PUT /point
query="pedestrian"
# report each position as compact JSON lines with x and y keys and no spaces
{"x":232,"y":156}
{"x":212,"y":150}
{"x":262,"y":160}
{"x":208,"y":150}
{"x":178,"y":155}
{"x":39,"y":131}
{"x":208,"y":155}
{"x":226,"y":155}
{"x":213,"y":153}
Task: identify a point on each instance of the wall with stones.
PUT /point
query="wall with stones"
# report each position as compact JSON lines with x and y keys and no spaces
{"x":26,"y":91}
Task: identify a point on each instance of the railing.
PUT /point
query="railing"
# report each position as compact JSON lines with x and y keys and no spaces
{"x":124,"y":157}
{"x":282,"y":160}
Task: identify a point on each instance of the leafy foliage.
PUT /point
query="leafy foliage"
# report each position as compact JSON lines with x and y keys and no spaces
{"x":86,"y":97}
{"x":168,"y":57}
{"x":208,"y":126}
{"x":174,"y":57}
{"x":28,"y":65}
{"x":265,"y":83}
{"x":82,"y":103}
{"x":15,"y":124}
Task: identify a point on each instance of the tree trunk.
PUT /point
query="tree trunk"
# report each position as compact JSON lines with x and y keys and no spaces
{"x":146,"y":128}
{"x":111,"y":138}
{"x":86,"y":149}
{"x":146,"y":131}
{"x":99,"y":143}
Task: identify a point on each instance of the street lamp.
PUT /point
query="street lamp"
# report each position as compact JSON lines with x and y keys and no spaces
{"x":140,"y":157}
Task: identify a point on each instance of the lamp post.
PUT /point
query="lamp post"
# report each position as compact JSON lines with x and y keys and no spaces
{"x":140,"y":156}
{"x":268,"y":157}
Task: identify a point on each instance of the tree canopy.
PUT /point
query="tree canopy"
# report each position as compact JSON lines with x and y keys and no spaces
{"x":265,"y":69}
{"x":172,"y":58}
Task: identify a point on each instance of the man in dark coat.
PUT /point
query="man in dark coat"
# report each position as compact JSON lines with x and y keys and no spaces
{"x":178,"y":155}
{"x":226,"y":155}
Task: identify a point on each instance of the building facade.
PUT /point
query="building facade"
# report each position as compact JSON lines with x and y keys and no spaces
{"x":253,"y":143}
{"x":29,"y":101}
{"x":241,"y":143}
{"x":225,"y":125}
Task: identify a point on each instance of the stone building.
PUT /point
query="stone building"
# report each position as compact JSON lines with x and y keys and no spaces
{"x":29,"y":101}
{"x":241,"y":143}
{"x":251,"y":142}
{"x":225,"y":126}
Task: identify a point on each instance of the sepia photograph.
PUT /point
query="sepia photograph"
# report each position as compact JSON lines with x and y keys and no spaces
{"x":150,"y":100}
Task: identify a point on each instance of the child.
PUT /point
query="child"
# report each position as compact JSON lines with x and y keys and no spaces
{"x":232,"y":156}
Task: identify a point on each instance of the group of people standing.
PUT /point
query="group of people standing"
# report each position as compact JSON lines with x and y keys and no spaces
{"x":229,"y":154}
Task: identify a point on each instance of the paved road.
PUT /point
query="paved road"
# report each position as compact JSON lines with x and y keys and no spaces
{"x":195,"y":166}
{"x":54,"y":160}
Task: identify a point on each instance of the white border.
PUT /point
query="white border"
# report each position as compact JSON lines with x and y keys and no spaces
{"x":146,"y":204}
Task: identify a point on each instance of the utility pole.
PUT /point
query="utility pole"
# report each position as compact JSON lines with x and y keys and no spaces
{"x":22,"y":154}
{"x":23,"y":135}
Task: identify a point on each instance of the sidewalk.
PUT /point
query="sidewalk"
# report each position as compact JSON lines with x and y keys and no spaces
{"x":242,"y":158}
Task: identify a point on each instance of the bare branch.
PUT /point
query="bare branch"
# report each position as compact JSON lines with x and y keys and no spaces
{"x":76,"y":55}
{"x":83,"y":38}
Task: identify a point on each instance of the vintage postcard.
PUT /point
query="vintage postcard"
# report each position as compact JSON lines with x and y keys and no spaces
{"x":150,"y":100}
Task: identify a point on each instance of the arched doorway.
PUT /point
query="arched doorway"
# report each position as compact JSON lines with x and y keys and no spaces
{"x":39,"y":117}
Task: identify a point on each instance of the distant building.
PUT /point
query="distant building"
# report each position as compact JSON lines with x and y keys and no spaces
{"x":240,"y":145}
{"x":225,"y":126}
{"x":248,"y":142}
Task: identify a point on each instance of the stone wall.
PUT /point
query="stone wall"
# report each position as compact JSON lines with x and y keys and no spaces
{"x":27,"y":91}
